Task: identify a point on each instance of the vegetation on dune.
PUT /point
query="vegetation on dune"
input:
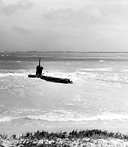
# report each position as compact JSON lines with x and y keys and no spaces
{"x":61,"y":139}
{"x":96,"y":134}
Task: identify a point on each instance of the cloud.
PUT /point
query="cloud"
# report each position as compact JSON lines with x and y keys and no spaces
{"x":64,"y":24}
{"x":73,"y":17}
{"x":98,"y":12}
{"x":12,"y":8}
{"x":21,"y":30}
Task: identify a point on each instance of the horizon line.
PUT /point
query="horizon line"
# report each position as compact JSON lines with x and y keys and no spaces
{"x":72,"y":51}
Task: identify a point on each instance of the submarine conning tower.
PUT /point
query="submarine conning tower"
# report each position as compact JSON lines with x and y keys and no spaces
{"x":39,"y":69}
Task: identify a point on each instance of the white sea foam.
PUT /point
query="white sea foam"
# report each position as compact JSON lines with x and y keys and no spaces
{"x":6,"y":119}
{"x":77,"y":117}
{"x":124,"y":70}
{"x":12,"y":74}
{"x":101,"y":61}
{"x":69,"y":116}
{"x":96,"y":69}
{"x":100,"y":74}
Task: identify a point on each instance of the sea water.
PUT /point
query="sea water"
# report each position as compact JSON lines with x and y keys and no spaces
{"x":97,"y":99}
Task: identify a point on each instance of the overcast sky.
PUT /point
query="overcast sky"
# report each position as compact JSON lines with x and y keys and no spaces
{"x":64,"y":25}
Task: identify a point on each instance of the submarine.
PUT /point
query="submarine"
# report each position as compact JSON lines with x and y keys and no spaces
{"x":38,"y":74}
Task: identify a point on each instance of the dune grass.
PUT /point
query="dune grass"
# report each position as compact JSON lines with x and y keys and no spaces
{"x":96,"y":134}
{"x":81,"y":138}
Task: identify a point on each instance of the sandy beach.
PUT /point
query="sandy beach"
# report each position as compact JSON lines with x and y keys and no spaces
{"x":87,"y":138}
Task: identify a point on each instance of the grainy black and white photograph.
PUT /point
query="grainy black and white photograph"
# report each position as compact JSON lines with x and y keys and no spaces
{"x":63,"y":73}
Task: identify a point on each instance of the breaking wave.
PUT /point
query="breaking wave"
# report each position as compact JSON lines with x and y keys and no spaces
{"x":75,"y":117}
{"x":12,"y":74}
{"x":97,"y":69}
{"x":100,"y":74}
{"x":15,"y":73}
{"x":97,"y":74}
{"x":67,"y":116}
{"x":6,"y":119}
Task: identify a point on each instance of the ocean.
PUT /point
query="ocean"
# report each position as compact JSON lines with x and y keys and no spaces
{"x":97,"y":99}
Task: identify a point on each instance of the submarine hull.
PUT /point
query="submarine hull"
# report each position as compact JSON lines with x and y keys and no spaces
{"x":53,"y":79}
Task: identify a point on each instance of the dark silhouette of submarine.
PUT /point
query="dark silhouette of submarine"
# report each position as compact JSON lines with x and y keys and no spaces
{"x":39,"y":69}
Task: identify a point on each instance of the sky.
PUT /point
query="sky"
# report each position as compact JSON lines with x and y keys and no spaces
{"x":64,"y":25}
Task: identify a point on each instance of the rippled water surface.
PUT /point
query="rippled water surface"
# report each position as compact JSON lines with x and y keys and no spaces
{"x":98,"y":97}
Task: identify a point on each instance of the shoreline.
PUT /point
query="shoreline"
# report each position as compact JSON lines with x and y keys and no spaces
{"x":88,"y":138}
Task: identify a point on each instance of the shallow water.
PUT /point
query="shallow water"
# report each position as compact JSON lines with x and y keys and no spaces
{"x":98,"y":97}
